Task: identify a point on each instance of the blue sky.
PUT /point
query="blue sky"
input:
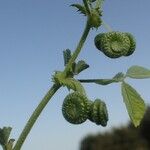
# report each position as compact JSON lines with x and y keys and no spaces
{"x":33,"y":34}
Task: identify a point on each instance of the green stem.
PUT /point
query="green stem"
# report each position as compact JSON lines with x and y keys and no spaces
{"x":50,"y":93}
{"x":34,"y":116}
{"x":99,"y":81}
{"x":87,"y":80}
{"x":78,"y":49}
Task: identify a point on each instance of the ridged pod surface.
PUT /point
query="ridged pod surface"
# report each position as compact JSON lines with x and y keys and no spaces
{"x":132,"y":44}
{"x":98,"y":113}
{"x":75,"y":108}
{"x":115,"y":44}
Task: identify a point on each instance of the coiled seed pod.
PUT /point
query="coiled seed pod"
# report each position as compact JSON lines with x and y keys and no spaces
{"x":115,"y":44}
{"x":132,"y":44}
{"x":98,"y":113}
{"x":98,"y":41}
{"x":75,"y":108}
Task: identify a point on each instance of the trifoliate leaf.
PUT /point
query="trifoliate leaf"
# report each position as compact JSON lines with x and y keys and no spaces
{"x":80,"y":8}
{"x":138,"y":72}
{"x":67,"y":56}
{"x":134,"y":103}
{"x":80,"y":66}
{"x":4,"y":135}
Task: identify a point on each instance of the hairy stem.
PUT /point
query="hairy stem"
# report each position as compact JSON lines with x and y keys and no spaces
{"x":87,"y":80}
{"x":34,"y":116}
{"x":99,"y":81}
{"x":78,"y":49}
{"x":50,"y":93}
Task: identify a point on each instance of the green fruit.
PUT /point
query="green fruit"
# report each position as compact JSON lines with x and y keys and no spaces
{"x":75,"y":108}
{"x":132,"y":44}
{"x":115,"y":44}
{"x":98,"y":113}
{"x":98,"y":41}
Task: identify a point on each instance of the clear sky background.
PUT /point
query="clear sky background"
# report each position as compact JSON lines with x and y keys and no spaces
{"x":33,"y":34}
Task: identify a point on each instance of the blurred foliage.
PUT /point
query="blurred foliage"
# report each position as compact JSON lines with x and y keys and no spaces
{"x":122,"y":138}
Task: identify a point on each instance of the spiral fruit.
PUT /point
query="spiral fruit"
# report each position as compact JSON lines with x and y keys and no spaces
{"x":98,"y":113}
{"x":75,"y":108}
{"x":132,"y":44}
{"x":115,"y":44}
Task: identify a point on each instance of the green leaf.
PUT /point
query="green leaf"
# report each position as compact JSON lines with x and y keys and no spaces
{"x":69,"y":82}
{"x":73,"y":84}
{"x":138,"y":72}
{"x":4,"y":135}
{"x":67,"y":56}
{"x":80,"y":66}
{"x":80,"y":8}
{"x":134,"y":103}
